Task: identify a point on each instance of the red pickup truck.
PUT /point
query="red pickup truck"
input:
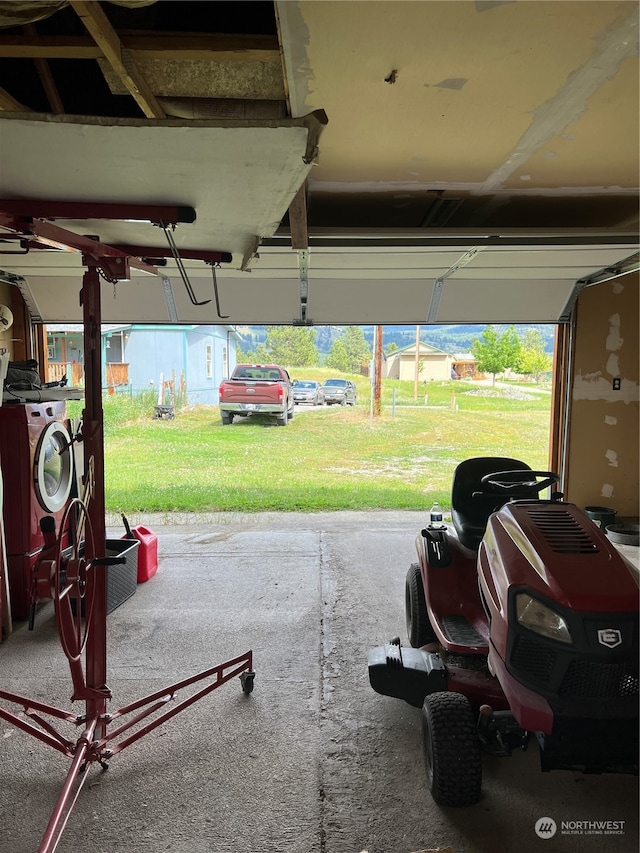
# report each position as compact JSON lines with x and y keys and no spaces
{"x":263,"y":389}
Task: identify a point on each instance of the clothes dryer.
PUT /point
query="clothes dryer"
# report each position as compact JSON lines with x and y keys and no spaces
{"x":37,"y":467}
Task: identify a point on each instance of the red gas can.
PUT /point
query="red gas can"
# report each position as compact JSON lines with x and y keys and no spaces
{"x":147,"y":552}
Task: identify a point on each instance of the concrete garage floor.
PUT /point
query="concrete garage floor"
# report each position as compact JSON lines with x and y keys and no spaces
{"x":314,"y":761}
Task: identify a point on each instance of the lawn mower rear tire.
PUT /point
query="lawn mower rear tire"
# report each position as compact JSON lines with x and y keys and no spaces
{"x":419,"y":628}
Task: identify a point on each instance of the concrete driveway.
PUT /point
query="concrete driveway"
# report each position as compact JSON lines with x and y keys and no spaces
{"x":313,"y":761}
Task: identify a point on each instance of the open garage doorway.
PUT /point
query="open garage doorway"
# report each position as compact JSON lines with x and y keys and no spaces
{"x":601,"y":330}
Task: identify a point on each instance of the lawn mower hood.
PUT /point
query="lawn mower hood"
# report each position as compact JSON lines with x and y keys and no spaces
{"x":559,"y":554}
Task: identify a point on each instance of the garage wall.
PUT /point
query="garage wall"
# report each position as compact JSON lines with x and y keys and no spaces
{"x":604,"y":428}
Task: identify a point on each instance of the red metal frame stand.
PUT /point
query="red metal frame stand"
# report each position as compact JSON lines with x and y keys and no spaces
{"x":84,"y":576}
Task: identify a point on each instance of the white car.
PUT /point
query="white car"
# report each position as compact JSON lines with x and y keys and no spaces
{"x":307,"y":391}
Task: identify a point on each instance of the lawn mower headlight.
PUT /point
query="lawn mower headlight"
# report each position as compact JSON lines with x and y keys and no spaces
{"x":536,"y":616}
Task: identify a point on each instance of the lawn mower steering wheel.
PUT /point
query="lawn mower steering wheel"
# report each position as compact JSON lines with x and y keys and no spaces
{"x":510,"y":481}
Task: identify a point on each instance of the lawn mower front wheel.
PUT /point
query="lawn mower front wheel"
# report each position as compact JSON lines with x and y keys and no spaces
{"x":452,"y":756}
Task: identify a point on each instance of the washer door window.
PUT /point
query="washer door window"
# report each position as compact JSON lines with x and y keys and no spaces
{"x":52,"y":467}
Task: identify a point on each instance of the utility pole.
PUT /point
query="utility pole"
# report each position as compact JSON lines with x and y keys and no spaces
{"x":377,"y":369}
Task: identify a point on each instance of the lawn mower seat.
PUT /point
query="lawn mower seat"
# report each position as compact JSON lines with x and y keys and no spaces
{"x":470,"y":514}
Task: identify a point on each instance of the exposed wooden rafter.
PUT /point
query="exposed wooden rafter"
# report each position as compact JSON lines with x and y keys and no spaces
{"x":46,"y":78}
{"x":49,"y":86}
{"x":175,"y":46}
{"x":100,"y":29}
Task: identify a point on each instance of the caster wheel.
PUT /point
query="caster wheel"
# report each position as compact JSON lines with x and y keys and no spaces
{"x":246,"y":680}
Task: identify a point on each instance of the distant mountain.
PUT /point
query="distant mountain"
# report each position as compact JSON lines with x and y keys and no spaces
{"x":450,"y":339}
{"x":453,"y":339}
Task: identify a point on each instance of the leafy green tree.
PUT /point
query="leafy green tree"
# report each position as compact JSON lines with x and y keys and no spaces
{"x":510,"y":345}
{"x":392,"y":347}
{"x":495,"y":352}
{"x":532,"y":359}
{"x":350,"y":351}
{"x":293,"y":346}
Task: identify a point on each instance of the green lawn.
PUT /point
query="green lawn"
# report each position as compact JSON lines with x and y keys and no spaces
{"x":329,"y":459}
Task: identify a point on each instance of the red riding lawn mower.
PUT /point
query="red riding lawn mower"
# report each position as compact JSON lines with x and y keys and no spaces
{"x":523,"y":622}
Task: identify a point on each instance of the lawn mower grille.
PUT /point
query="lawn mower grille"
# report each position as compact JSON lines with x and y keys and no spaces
{"x":563,"y":533}
{"x":595,"y":680}
{"x":540,"y":667}
{"x":534,"y":659}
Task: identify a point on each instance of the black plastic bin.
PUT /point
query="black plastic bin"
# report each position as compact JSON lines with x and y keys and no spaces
{"x":122,"y":579}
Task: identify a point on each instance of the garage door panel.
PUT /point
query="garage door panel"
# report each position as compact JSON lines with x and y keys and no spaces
{"x":150,"y":299}
{"x":389,"y":301}
{"x":515,"y":301}
{"x":244,"y":299}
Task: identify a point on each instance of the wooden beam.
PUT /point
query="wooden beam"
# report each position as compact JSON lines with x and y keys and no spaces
{"x":42,"y":351}
{"x":560,"y":401}
{"x":48,"y":47}
{"x":212,"y":47}
{"x":100,"y":29}
{"x":49,"y":86}
{"x":298,"y":220}
{"x":21,"y":329}
{"x":217,"y":47}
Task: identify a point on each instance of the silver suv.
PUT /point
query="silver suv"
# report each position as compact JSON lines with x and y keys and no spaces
{"x":342,"y":391}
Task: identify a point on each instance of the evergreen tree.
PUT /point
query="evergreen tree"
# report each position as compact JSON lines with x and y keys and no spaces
{"x":293,"y":346}
{"x":350,"y":352}
{"x":258,"y":355}
{"x":337,"y":358}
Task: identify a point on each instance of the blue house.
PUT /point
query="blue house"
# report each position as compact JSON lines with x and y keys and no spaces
{"x":135,"y":357}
